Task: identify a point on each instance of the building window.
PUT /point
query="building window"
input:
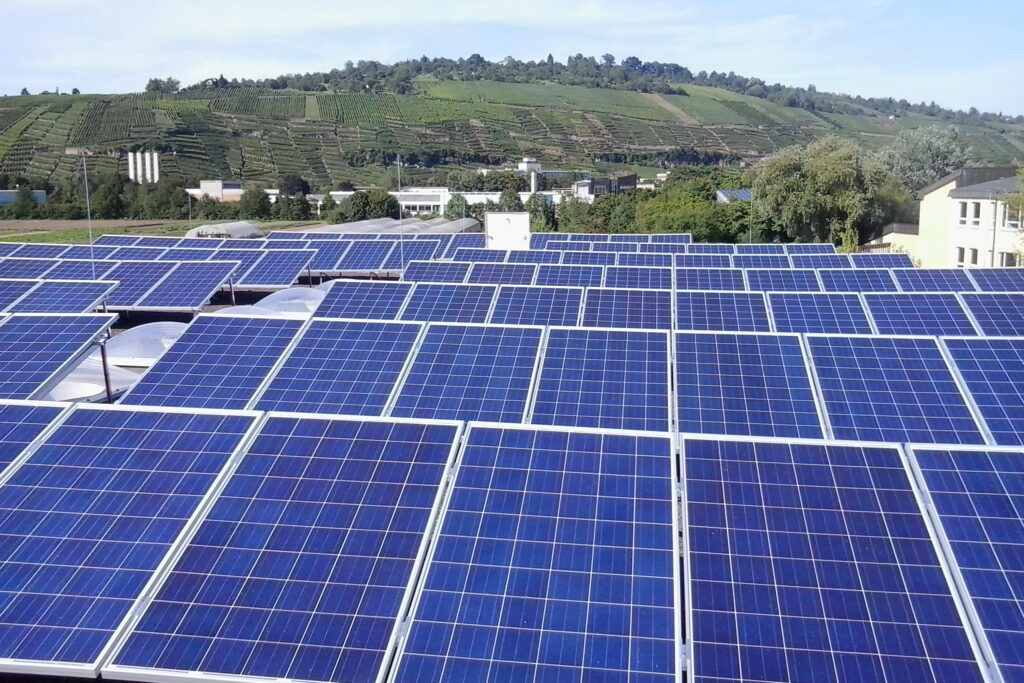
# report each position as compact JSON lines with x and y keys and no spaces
{"x":1007,"y":259}
{"x":960,"y":256}
{"x":976,"y":213}
{"x":963,"y":213}
{"x":1010,"y":220}
{"x":974,"y":257}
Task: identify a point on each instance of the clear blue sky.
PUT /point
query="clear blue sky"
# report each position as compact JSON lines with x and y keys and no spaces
{"x":958,"y":54}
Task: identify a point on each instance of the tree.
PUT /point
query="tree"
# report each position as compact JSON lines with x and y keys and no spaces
{"x":456,"y":208}
{"x":107,"y":199}
{"x":509,"y":201}
{"x":24,"y":91}
{"x":327,"y":204}
{"x":354,"y":208}
{"x":254,"y":204}
{"x":76,"y":91}
{"x":382,"y":204}
{"x":921,"y":156}
{"x":167,"y":86}
{"x":24,"y":205}
{"x":293,"y":184}
{"x":542,"y":215}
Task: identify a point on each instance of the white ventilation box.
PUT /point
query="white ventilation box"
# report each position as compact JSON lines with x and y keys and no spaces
{"x":507,"y":230}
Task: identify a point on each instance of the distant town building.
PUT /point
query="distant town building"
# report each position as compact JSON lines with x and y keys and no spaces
{"x":730,"y":196}
{"x":220,"y":190}
{"x":530,"y":165}
{"x":591,"y":188}
{"x":7,"y":197}
{"x":423,"y":200}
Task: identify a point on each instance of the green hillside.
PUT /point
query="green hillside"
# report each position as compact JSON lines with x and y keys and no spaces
{"x":329,"y":137}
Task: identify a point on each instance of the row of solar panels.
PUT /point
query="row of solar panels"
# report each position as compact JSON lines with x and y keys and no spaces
{"x":53,"y":296}
{"x":537,"y":239}
{"x":139,"y":285}
{"x":171,"y":545}
{"x":881,"y":388}
{"x":566,"y":243}
{"x":733,"y":279}
{"x":607,"y":258}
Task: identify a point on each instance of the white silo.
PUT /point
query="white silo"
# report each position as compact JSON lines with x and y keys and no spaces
{"x":156,"y":166}
{"x":131,"y":166}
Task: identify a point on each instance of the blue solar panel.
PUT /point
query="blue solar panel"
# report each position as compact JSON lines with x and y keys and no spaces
{"x":570,"y":276}
{"x":638,"y":277}
{"x":406,"y":250}
{"x":342,"y":367}
{"x":905,"y":313}
{"x":810,"y":249}
{"x":449,"y":303}
{"x":475,"y":240}
{"x":117,"y":240}
{"x":857,"y":280}
{"x":282,"y":235}
{"x":436,"y":271}
{"x":761,"y":261}
{"x":519,"y":305}
{"x":137,"y":253}
{"x":88,"y":518}
{"x":724,"y":279}
{"x":933,"y":280}
{"x":286,"y":244}
{"x":993,"y":371}
{"x":584,"y":237}
{"x":246,"y":258}
{"x":760,"y":249}
{"x":189,"y":286}
{"x":648,"y":309}
{"x":703,"y":261}
{"x":162,"y":242}
{"x":998,"y":279}
{"x":677,"y":238}
{"x":34,"y":349}
{"x":890,"y":389}
{"x":470,"y":372}
{"x":614,"y":379}
{"x":321,"y":236}
{"x":527,"y":256}
{"x":702,"y":248}
{"x":555,"y":561}
{"x":502,"y":273}
{"x":567,"y":245}
{"x":278,"y":269}
{"x":881,"y":261}
{"x":25,"y":268}
{"x":813,"y":562}
{"x":89,"y":251}
{"x":663,"y":248}
{"x":328,"y":253}
{"x":219,"y":362}
{"x":300,"y":569}
{"x":80,"y":270}
{"x":823,"y":313}
{"x":997,"y":314}
{"x":749,"y":384}
{"x":189,"y":255}
{"x":615,"y":246}
{"x":722,"y":312}
{"x":650,"y":260}
{"x":589,"y":258}
{"x":20,"y":424}
{"x":538,"y":240}
{"x":480,"y":255}
{"x":780,"y":280}
{"x":136,"y":278}
{"x":211,"y":243}
{"x":821,"y":261}
{"x":976,"y":495}
{"x":39,"y":251}
{"x":64,"y":296}
{"x":364,"y":300}
{"x":8,"y":248}
{"x":631,"y":238}
{"x":365,"y":255}
{"x":12,"y":290}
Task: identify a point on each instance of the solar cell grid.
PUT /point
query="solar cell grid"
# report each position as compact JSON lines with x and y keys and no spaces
{"x":136,"y":278}
{"x":857,"y":280}
{"x":997,"y":279}
{"x":615,"y":246}
{"x":534,"y":256}
{"x":340,"y":366}
{"x":40,"y":250}
{"x":571,"y":276}
{"x":703,"y":261}
{"x":823,"y":313}
{"x":881,"y":261}
{"x":702,"y":248}
{"x":933,"y":280}
{"x":725,"y":279}
{"x":821,"y":261}
{"x":637,"y":277}
{"x":760,"y":249}
{"x":209,"y":242}
{"x":449,"y":303}
{"x":993,"y":372}
{"x":555,"y":561}
{"x":679,"y":237}
{"x":567,"y":245}
{"x":278,"y":268}
{"x":80,"y":270}
{"x":364,"y":300}
{"x":996,"y":314}
{"x":520,"y":305}
{"x":25,"y":268}
{"x":246,"y":258}
{"x":13,"y":290}
{"x":663,"y":248}
{"x":8,"y":248}
{"x":406,"y":250}
{"x":64,"y":296}
{"x":117,"y":240}
{"x":905,"y":313}
{"x":722,"y":311}
{"x":137,"y":253}
{"x":810,"y":249}
{"x":761,"y":261}
{"x":502,"y":273}
{"x":645,"y":259}
{"x":189,"y":286}
{"x":163,"y":242}
{"x":648,"y":309}
{"x":812,"y":561}
{"x":480,"y":255}
{"x":87,"y":251}
{"x":187,"y":255}
{"x":589,"y":258}
{"x":365,"y":255}
{"x":285,"y":244}
{"x":20,"y":424}
{"x":749,"y":384}
{"x":328,"y":253}
{"x":792,"y":280}
{"x":896,"y":389}
{"x":470,"y":240}
{"x":436,"y":271}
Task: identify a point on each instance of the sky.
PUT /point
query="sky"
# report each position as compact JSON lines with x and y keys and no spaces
{"x":958,"y":54}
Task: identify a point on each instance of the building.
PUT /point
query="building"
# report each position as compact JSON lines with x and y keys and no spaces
{"x":591,"y":188}
{"x":416,"y":201}
{"x":530,"y":165}
{"x":964,"y":221}
{"x":220,"y":190}
{"x":7,"y":197}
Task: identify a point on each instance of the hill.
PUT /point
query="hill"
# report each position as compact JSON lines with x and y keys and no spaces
{"x":258,"y":133}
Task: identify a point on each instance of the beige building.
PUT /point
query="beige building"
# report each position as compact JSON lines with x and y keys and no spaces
{"x":964,"y":222}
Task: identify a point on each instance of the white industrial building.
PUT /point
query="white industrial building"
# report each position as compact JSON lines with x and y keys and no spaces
{"x":144,"y":167}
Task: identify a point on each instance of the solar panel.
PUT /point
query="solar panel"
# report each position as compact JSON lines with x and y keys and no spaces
{"x":137,"y":254}
{"x":220,"y":361}
{"x":663,"y":248}
{"x":584,"y":237}
{"x":25,"y":268}
{"x":189,"y":286}
{"x":80,"y":270}
{"x":648,"y":309}
{"x":649,"y":260}
{"x":470,"y":372}
{"x":521,"y":305}
{"x":8,"y":248}
{"x":895,"y":389}
{"x":247,"y":259}
{"x":722,"y":312}
{"x":822,"y":313}
{"x":993,"y":372}
{"x":449,"y":303}
{"x":87,"y":520}
{"x":502,"y":273}
{"x":760,"y":249}
{"x":188,"y":255}
{"x":780,"y":280}
{"x":39,"y":250}
{"x":703,"y":261}
{"x":615,"y":246}
{"x":476,"y":240}
{"x":64,"y":296}
{"x":278,"y":269}
{"x":997,"y":279}
{"x":528,"y":256}
{"x":678,"y":237}
{"x":20,"y":424}
{"x":365,"y":255}
{"x":702,"y":248}
{"x":88,"y":251}
{"x":327,"y":254}
{"x":567,"y":245}
{"x":589,"y":258}
{"x":538,"y":240}
{"x":364,"y":300}
{"x":761,"y":261}
{"x":749,"y":384}
{"x":630,"y":238}
{"x":821,"y":261}
{"x":976,"y":494}
{"x":905,"y":313}
{"x":857,"y":280}
{"x":725,"y":279}
{"x":810,"y":248}
{"x":36,"y":348}
{"x":555,"y":561}
{"x":881,"y":261}
{"x":211,"y":243}
{"x":570,"y":276}
{"x":933,"y":280}
{"x":341,"y":366}
{"x":136,"y":278}
{"x":436,"y":271}
{"x":812,"y":561}
{"x":406,"y":250}
{"x":117,"y":240}
{"x":12,"y":290}
{"x":613,"y":379}
{"x":480,"y":255}
{"x":163,"y":242}
{"x":300,"y":570}
{"x":997,"y":314}
{"x":286,"y":244}
{"x":282,"y":235}
{"x":638,"y":277}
